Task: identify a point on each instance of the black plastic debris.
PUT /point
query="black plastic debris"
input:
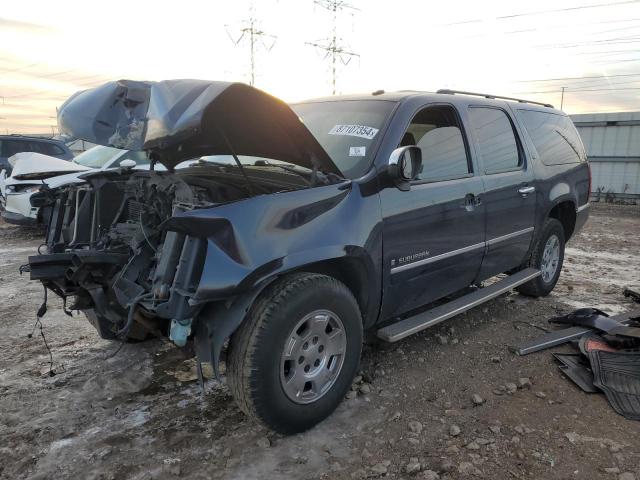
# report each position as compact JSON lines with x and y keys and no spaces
{"x":632,"y":294}
{"x":616,"y":373}
{"x":598,"y":320}
{"x":609,"y":358}
{"x":576,"y":368}
{"x":565,"y":335}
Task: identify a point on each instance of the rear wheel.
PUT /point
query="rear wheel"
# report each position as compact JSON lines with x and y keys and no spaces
{"x":293,"y":359}
{"x":547,"y":256}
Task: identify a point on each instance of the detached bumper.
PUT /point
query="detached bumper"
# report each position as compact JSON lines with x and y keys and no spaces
{"x":582,"y":214}
{"x":18,"y":219}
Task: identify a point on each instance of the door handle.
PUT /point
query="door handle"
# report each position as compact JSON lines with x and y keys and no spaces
{"x":524,"y":191}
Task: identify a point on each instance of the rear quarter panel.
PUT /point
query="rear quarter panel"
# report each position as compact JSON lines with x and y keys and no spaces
{"x":557,"y":183}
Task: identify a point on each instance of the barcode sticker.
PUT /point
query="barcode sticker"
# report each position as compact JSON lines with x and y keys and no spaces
{"x":361,"y":131}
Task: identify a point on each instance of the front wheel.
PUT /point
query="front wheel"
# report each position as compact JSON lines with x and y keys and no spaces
{"x":547,"y":256}
{"x":293,"y":359}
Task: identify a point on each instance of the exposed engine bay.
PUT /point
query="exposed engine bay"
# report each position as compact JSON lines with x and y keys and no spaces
{"x":109,"y":254}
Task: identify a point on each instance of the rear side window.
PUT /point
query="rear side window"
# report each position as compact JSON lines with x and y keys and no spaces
{"x":496,"y":139}
{"x":48,"y":149}
{"x":436,"y":130}
{"x":554,"y":137}
{"x":11,"y":147}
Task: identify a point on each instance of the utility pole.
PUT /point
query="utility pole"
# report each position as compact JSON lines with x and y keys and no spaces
{"x":562,"y":97}
{"x":252,"y":33}
{"x":331,"y":46}
{"x":53,"y":132}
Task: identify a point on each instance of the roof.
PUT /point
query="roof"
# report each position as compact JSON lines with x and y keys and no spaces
{"x":403,"y":95}
{"x":16,"y":136}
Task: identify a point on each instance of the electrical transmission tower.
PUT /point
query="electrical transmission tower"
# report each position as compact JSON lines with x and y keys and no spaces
{"x":254,"y":36}
{"x":331,"y":46}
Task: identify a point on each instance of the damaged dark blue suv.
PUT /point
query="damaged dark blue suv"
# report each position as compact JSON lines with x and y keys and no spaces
{"x":278,"y":234}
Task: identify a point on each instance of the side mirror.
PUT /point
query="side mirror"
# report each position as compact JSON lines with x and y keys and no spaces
{"x":127,"y":163}
{"x":405,"y":163}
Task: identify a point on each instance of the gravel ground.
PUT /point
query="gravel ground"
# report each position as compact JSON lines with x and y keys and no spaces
{"x":452,"y":402}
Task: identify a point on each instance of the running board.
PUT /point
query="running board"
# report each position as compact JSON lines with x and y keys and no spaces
{"x":409,"y":326}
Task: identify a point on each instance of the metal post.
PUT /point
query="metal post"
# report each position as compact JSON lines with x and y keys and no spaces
{"x":562,"y":98}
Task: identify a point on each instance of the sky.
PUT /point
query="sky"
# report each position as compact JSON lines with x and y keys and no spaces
{"x":49,"y":50}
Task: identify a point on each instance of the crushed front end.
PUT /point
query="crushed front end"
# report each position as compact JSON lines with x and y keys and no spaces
{"x":107,"y":254}
{"x":129,"y":247}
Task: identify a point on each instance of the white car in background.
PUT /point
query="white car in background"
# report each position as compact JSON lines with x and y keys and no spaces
{"x":32,"y":171}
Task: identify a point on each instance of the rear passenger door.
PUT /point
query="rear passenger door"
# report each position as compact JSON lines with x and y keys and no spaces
{"x":433,"y":234}
{"x":509,"y":188}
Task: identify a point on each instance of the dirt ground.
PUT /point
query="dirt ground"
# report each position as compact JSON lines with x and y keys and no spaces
{"x":139,"y":413}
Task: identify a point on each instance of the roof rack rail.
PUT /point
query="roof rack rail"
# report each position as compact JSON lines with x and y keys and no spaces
{"x":486,"y":95}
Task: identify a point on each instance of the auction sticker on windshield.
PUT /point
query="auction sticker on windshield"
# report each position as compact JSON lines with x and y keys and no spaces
{"x":361,"y":131}
{"x":358,"y":151}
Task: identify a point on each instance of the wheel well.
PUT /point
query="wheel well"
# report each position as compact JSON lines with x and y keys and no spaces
{"x":349,"y":271}
{"x":565,"y":212}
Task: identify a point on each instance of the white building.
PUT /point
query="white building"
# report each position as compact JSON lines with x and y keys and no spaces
{"x":612,"y":141}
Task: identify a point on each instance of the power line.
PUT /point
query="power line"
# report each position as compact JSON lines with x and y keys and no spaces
{"x":568,"y":9}
{"x":590,"y":84}
{"x":526,"y":14}
{"x":331,"y":46}
{"x":585,"y":24}
{"x":11,"y":70}
{"x":580,"y":90}
{"x":607,"y":52}
{"x":253,"y":33}
{"x":579,"y":78}
{"x":593,"y":43}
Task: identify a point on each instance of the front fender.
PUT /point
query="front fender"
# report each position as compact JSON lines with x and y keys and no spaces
{"x":254,"y":239}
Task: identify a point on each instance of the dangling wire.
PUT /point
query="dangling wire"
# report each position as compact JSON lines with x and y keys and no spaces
{"x":38,"y":324}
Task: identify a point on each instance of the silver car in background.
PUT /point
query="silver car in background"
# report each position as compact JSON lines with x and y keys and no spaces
{"x":33,"y":172}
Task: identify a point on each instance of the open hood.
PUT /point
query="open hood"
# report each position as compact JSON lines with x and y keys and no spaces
{"x":178,"y":120}
{"x":36,"y":166}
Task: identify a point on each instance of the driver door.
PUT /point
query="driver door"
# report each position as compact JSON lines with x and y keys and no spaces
{"x":433,"y":234}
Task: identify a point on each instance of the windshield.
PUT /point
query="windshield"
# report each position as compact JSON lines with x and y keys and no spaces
{"x":96,"y":157}
{"x":348,"y":130}
{"x":100,"y":156}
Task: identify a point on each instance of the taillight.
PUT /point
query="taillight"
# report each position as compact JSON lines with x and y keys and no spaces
{"x":589,"y":191}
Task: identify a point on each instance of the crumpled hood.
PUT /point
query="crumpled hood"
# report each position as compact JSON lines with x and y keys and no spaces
{"x":36,"y":166}
{"x":181,"y":119}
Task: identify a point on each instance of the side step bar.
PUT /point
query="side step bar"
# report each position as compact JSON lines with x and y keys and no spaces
{"x":409,"y":326}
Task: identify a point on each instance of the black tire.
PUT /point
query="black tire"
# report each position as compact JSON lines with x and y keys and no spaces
{"x":539,"y":287}
{"x":254,"y":361}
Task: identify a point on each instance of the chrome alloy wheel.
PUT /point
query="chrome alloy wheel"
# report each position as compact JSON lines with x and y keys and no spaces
{"x":550,"y":258}
{"x":313,"y":356}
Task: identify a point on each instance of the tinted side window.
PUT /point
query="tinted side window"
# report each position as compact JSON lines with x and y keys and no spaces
{"x":11,"y":147}
{"x":437,"y":131}
{"x":496,"y":139}
{"x":49,"y":149}
{"x":554,"y":137}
